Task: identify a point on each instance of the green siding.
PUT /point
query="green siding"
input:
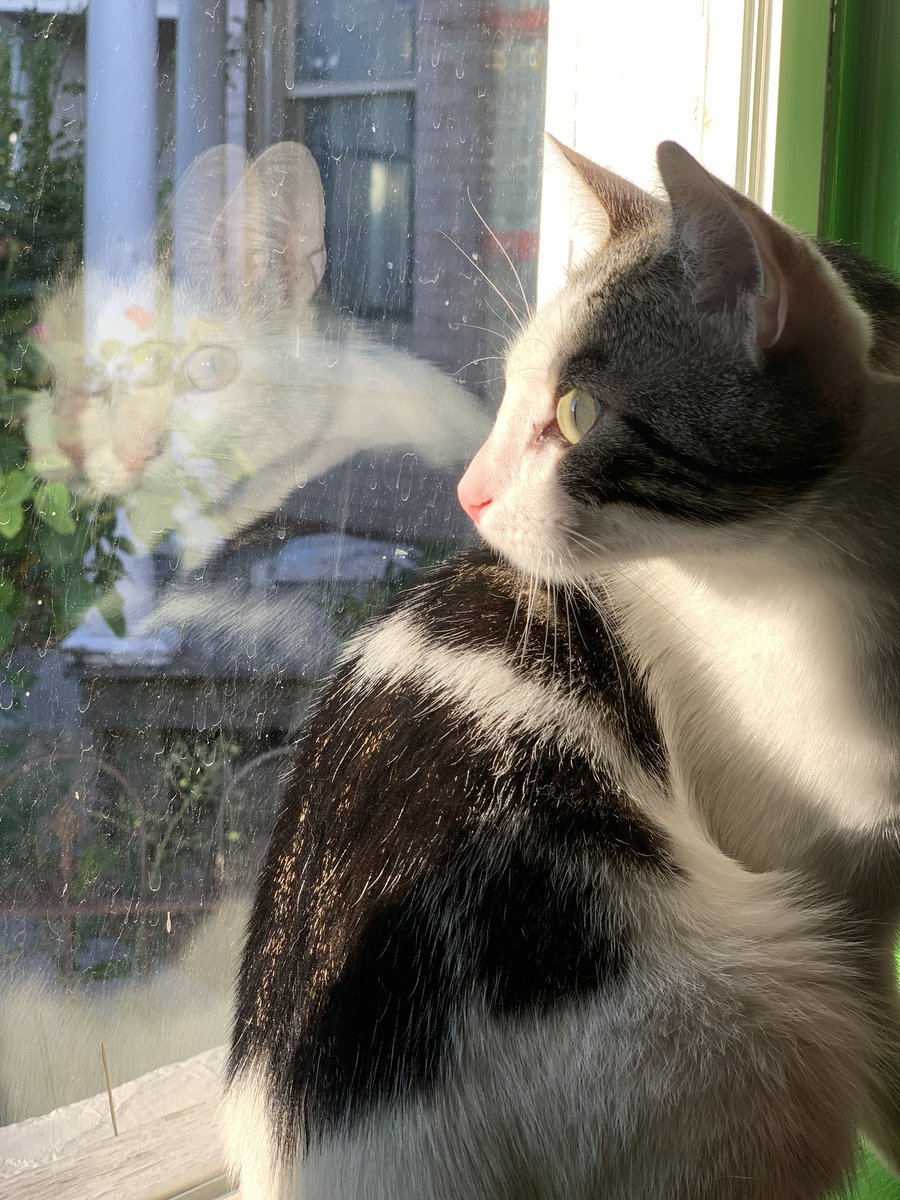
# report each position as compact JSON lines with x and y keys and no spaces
{"x":861,"y":202}
{"x":800,"y":122}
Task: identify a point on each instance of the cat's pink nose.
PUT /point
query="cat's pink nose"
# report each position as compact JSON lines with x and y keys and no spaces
{"x":472,"y":498}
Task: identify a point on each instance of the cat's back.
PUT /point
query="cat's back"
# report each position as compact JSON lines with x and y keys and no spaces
{"x":476,"y":740}
{"x":515,"y":658}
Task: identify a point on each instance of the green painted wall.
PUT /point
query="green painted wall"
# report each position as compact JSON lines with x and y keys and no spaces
{"x":861,"y":193}
{"x":800,"y":121}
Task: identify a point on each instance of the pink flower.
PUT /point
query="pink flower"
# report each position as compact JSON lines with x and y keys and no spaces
{"x":39,"y":332}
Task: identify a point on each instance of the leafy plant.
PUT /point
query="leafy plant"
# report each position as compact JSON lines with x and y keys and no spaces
{"x":196,"y":772}
{"x":59,"y":553}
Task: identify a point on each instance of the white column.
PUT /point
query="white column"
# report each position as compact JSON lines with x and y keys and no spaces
{"x":200,"y":83}
{"x":200,"y":79}
{"x":121,"y":150}
{"x":121,"y":153}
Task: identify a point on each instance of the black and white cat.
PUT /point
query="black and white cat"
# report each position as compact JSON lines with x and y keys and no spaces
{"x":587,"y":882}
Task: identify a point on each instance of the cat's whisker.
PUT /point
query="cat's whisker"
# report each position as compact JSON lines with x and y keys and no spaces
{"x":512,"y":620}
{"x":532,"y":587}
{"x":511,"y":336}
{"x":473,"y":362}
{"x":515,"y":312}
{"x":528,"y":309}
{"x":546,"y":619}
{"x":570,"y":645}
{"x":484,"y":329}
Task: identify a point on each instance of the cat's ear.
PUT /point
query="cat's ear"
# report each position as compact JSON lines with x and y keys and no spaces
{"x":728,"y":246}
{"x":604,"y":205}
{"x":276,"y":221}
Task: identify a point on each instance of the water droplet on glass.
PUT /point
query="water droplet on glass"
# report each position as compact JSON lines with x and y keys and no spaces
{"x":154,"y":879}
{"x":436,"y":123}
{"x":435,"y":59}
{"x":460,"y":70}
{"x":405,"y":477}
{"x":329,"y":346}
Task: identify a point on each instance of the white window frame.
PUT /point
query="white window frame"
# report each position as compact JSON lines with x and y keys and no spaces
{"x":707,"y":78}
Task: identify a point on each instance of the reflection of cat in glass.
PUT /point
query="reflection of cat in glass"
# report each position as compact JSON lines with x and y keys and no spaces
{"x":206,"y":390}
{"x":585,"y":884}
{"x":201,"y":394}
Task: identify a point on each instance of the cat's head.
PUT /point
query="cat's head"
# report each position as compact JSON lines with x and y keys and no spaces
{"x":700,"y":375}
{"x":203,"y":391}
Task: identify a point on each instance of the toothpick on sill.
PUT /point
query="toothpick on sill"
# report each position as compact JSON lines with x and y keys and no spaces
{"x":112,"y":1103}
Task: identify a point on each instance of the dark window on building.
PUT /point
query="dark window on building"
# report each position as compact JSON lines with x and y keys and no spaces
{"x":355,"y":82}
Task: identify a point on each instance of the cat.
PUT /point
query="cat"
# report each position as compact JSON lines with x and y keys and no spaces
{"x":204,"y":390}
{"x":588,"y":878}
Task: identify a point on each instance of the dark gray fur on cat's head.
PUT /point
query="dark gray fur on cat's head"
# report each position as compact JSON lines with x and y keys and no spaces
{"x":725,"y":355}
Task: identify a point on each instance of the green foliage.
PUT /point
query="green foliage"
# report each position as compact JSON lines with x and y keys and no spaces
{"x":59,"y":552}
{"x":196,"y":773}
{"x":41,"y":175}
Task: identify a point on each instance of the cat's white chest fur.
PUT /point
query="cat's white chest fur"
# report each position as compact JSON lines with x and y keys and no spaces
{"x":779,"y":737}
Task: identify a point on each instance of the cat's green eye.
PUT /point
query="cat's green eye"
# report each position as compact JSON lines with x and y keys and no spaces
{"x":576,"y":412}
{"x":209,"y":368}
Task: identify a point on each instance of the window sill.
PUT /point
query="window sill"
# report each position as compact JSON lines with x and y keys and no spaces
{"x":173,"y":1155}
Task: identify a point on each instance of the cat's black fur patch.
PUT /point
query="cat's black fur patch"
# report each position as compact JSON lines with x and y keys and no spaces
{"x":532,"y":942}
{"x":415,"y":869}
{"x":689,"y":425}
{"x":491,"y":923}
{"x":384,"y":1027}
{"x":478,"y":601}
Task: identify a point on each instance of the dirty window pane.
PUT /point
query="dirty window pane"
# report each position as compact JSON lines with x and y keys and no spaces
{"x":238,"y":381}
{"x":356,"y":39}
{"x":363,"y":148}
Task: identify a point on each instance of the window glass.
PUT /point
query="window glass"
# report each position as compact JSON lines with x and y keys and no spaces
{"x":231,"y":425}
{"x":353,"y":40}
{"x":363,"y":146}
